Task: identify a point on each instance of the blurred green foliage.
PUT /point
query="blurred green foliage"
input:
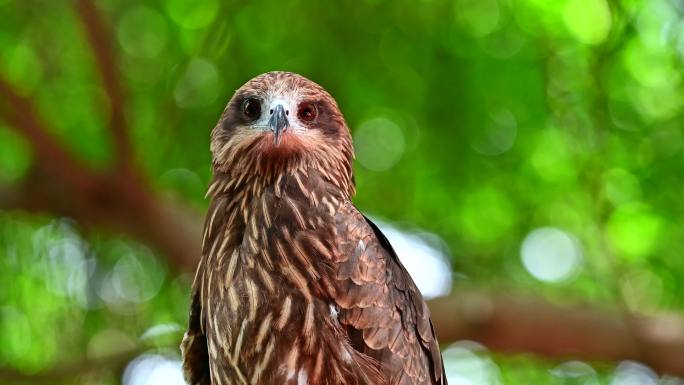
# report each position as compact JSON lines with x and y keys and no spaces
{"x":478,"y":120}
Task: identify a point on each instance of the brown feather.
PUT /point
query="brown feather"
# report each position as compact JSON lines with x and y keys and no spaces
{"x":294,"y":286}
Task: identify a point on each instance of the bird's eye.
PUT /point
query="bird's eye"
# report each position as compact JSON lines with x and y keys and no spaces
{"x":307,"y":112}
{"x":251,"y":108}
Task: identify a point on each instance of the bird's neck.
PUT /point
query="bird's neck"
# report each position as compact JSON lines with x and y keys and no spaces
{"x":257,"y":223}
{"x":244,"y":202}
{"x":251,"y":165}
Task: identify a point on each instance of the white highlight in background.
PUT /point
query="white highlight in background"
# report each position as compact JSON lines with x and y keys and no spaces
{"x":468,"y":363}
{"x":153,"y":369}
{"x":633,"y":373}
{"x":426,"y":262}
{"x":551,"y":254}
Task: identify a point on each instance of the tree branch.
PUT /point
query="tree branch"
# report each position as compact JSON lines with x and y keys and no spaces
{"x":19,"y":112}
{"x":60,"y":184}
{"x":519,"y":324}
{"x":100,"y":41}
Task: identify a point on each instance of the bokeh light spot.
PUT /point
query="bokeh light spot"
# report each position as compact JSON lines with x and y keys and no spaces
{"x":379,"y":144}
{"x":468,"y":363}
{"x":153,"y":369}
{"x":633,"y":230}
{"x":505,"y":42}
{"x":191,"y":15}
{"x":588,"y":21}
{"x":551,"y":254}
{"x":650,"y":66}
{"x":633,"y":373}
{"x":17,"y":335}
{"x":142,"y":32}
{"x":198,"y":85}
{"x":21,"y":65}
{"x":552,"y":158}
{"x":136,"y":277}
{"x":68,"y":268}
{"x":654,"y":18}
{"x":668,"y":141}
{"x":486,"y":215}
{"x":478,"y":17}
{"x":426,"y":262}
{"x":15,"y":157}
{"x":658,"y":103}
{"x":498,"y":136}
{"x":109,"y":342}
{"x":642,"y":290}
{"x":160,"y":330}
{"x":576,"y":372}
{"x":65,"y":266}
{"x":620,"y":186}
{"x":182,"y":181}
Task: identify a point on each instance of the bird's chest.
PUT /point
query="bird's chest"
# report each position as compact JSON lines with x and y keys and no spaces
{"x":269,"y":285}
{"x":262,"y":321}
{"x":268,"y":304}
{"x":269,"y":280}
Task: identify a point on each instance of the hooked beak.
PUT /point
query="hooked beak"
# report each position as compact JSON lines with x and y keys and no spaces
{"x":278,"y":122}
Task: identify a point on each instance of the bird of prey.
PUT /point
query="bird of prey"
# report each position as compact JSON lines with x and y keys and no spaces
{"x":295,"y":285}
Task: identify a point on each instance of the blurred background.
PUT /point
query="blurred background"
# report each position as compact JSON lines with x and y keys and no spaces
{"x":526,"y":158}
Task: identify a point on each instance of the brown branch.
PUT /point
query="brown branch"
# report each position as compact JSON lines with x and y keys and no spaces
{"x":517,"y":324}
{"x":10,"y":196}
{"x":100,"y":40}
{"x":62,"y":185}
{"x":19,"y":112}
{"x":117,"y":205}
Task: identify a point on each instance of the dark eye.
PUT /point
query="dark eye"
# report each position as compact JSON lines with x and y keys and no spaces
{"x":307,"y":112}
{"x":251,"y":108}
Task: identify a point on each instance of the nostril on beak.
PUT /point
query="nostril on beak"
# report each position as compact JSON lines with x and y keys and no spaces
{"x":278,"y":121}
{"x":271,"y":112}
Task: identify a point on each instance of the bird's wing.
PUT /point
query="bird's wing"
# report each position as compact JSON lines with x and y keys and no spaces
{"x":194,"y":345}
{"x":380,"y":306}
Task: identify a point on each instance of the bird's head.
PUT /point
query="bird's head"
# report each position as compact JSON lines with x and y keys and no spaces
{"x":280,"y":122}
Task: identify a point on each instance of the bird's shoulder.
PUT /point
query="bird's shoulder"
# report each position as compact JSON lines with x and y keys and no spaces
{"x":381,"y":308}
